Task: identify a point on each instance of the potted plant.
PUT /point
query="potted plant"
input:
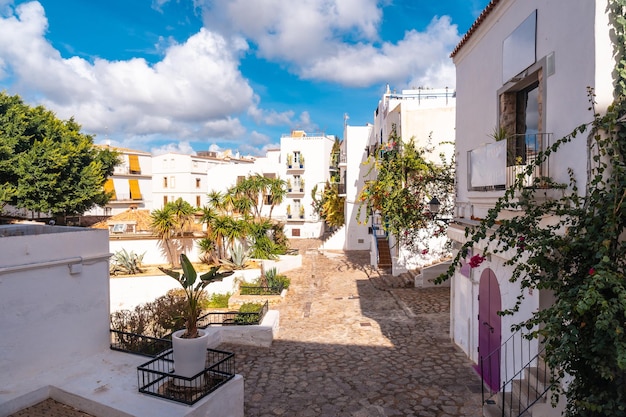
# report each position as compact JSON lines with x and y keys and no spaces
{"x":289,"y":160}
{"x":190,"y":344}
{"x":301,"y":161}
{"x":301,"y":185}
{"x":288,"y":185}
{"x":302,"y":212}
{"x":289,"y":211}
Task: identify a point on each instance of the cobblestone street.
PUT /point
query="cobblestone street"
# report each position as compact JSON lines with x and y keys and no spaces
{"x":348,"y":346}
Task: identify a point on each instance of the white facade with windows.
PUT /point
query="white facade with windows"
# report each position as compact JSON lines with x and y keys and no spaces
{"x":186,"y":176}
{"x":523,"y":67}
{"x":131,"y":183}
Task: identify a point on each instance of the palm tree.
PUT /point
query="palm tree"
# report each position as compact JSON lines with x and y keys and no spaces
{"x":164,"y":226}
{"x":216,"y":200}
{"x":183,"y":214}
{"x":277,"y":191}
{"x":221,"y":226}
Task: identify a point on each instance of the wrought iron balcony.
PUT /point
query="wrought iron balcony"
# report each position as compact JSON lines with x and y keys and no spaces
{"x":495,"y":166}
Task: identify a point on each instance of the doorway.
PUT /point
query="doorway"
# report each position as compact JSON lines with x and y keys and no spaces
{"x":489,"y":328}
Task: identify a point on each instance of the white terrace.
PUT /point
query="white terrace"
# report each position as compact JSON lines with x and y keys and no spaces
{"x":54,"y":316}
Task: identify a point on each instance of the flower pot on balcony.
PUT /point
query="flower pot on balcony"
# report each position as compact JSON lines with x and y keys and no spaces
{"x":189,"y":354}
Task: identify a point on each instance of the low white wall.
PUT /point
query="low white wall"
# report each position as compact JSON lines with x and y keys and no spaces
{"x":54,"y":298}
{"x":153,"y":250}
{"x":128,"y":292}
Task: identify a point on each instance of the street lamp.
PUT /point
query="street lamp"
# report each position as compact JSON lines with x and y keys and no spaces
{"x":433,"y":206}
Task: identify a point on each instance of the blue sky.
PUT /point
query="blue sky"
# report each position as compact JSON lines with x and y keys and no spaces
{"x":190,"y":75}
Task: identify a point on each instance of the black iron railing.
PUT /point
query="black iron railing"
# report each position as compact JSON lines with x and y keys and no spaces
{"x":139,"y":344}
{"x":233,"y":317}
{"x":519,"y":363}
{"x":152,"y":346}
{"x":498,"y":165}
{"x":261,"y":290}
{"x":158,"y":377}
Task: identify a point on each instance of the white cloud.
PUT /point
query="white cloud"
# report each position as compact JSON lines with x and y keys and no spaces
{"x":417,"y":56}
{"x":294,"y":32}
{"x":194,"y":89}
{"x":176,"y":147}
{"x":337,"y":40}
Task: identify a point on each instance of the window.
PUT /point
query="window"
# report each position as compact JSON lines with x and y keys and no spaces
{"x":198,"y":182}
{"x":135,"y":192}
{"x":198,"y":201}
{"x":119,"y":228}
{"x":521,"y":119}
{"x":295,"y":232}
{"x":268,"y":199}
{"x":164,"y":182}
{"x":297,"y":157}
{"x":109,"y":187}
{"x":172,"y":182}
{"x":164,"y":200}
{"x":133,"y":161}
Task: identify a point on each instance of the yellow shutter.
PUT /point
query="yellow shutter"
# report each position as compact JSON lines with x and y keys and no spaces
{"x":133,"y":160}
{"x":109,"y":187}
{"x":135,"y":193}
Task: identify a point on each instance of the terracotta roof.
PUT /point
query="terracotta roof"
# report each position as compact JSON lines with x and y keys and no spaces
{"x":483,"y":15}
{"x":141,"y":217}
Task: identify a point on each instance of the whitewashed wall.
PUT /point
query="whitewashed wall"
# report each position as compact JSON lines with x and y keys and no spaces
{"x":54,"y":297}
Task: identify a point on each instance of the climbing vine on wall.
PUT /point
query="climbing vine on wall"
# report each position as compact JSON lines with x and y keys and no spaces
{"x":405,"y":182}
{"x":580,"y":256}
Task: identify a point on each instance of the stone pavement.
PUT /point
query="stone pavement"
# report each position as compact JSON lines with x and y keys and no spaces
{"x":352,"y":343}
{"x":350,"y":347}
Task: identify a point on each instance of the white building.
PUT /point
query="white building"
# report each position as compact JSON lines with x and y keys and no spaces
{"x":131,"y":183}
{"x":303,"y":161}
{"x":186,"y":176}
{"x":523,"y":66}
{"x":427,"y":117}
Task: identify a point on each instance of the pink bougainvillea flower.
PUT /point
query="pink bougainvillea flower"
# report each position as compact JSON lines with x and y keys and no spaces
{"x":475,"y":261}
{"x":424,"y":251}
{"x":592,"y":271}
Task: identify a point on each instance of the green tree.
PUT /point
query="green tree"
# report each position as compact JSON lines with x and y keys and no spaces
{"x":330,"y":205}
{"x":277,"y":191}
{"x":405,"y":182}
{"x":164,"y":226}
{"x":47,"y":165}
{"x":174,"y":219}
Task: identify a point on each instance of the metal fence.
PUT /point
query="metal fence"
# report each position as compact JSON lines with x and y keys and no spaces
{"x":151,"y":346}
{"x":158,"y":377}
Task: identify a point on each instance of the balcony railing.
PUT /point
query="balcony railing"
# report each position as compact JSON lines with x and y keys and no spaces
{"x":496,"y":166}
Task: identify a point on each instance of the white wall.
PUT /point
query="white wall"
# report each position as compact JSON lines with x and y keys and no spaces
{"x":571,"y":33}
{"x":54,"y":297}
{"x":356,"y":138}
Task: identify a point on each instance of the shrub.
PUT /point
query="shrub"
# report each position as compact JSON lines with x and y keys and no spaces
{"x":217,"y":301}
{"x":276,"y":280}
{"x":248,"y":313}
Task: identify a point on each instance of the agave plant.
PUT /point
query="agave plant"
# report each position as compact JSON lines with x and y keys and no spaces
{"x":126,"y":262}
{"x":193,"y":290}
{"x":238,"y":258}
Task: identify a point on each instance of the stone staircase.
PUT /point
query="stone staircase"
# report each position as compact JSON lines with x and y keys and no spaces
{"x":384,"y":254}
{"x":531,"y":391}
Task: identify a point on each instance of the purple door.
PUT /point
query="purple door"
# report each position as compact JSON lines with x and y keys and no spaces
{"x":489,"y":328}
